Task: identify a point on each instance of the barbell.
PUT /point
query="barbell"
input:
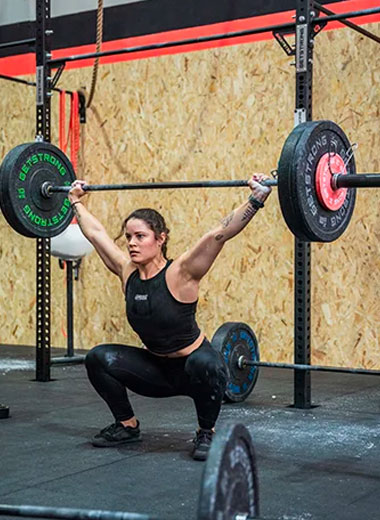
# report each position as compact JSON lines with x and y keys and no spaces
{"x":229,"y":486}
{"x":316,"y":180}
{"x":239,"y":347}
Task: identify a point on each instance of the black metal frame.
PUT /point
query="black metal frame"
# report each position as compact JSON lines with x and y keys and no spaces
{"x":43,"y":308}
{"x":305,"y":28}
{"x":18,"y":43}
{"x":30,"y":83}
{"x":302,"y":250}
{"x":58,"y":62}
{"x":349,"y":24}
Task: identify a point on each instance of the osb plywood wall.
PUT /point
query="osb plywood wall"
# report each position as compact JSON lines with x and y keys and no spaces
{"x":217,"y":114}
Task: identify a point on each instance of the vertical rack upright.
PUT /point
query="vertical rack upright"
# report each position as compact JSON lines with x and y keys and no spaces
{"x":302,"y":250}
{"x":43,"y":297}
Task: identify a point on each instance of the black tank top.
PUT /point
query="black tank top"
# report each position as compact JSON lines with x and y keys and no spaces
{"x":163,"y":323}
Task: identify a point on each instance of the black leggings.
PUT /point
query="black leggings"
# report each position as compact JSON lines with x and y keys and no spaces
{"x":202,"y":376}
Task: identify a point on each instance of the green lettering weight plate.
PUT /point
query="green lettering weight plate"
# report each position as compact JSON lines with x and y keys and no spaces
{"x":23,"y":171}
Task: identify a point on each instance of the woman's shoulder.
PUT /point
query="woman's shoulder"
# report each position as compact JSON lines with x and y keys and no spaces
{"x":128,"y":269}
{"x":176,"y":272}
{"x":180,"y":284}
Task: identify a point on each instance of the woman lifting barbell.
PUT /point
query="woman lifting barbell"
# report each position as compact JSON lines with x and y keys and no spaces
{"x":161,"y":300}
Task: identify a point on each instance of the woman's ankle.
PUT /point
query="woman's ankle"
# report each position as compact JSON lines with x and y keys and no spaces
{"x":132,"y":422}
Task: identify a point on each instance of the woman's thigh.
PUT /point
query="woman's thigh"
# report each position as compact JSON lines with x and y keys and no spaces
{"x":136,"y":368}
{"x":205,"y":366}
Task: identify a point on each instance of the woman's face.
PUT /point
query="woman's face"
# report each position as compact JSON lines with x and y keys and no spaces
{"x":143,"y":246}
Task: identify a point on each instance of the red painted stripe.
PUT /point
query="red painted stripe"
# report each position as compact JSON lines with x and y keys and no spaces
{"x":25,"y":64}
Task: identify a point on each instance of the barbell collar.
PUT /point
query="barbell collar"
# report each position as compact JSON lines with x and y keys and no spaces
{"x":362,"y":180}
{"x":47,"y":189}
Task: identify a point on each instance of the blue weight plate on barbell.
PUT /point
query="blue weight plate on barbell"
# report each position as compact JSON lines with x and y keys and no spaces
{"x":232,"y":340}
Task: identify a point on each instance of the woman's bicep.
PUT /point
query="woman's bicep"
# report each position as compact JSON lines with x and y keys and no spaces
{"x":112,"y":256}
{"x":197,"y":261}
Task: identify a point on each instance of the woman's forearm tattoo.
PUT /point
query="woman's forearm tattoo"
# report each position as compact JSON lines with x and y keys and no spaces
{"x":76,"y":213}
{"x":219,"y":237}
{"x":227,"y":220}
{"x":248,"y":213}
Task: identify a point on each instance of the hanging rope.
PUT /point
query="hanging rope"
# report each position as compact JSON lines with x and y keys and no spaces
{"x":99,"y":39}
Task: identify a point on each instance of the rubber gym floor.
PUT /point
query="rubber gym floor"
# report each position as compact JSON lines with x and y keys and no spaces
{"x":312,"y":464}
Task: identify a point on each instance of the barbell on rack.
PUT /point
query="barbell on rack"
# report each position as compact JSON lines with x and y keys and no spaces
{"x":229,"y":487}
{"x":316,"y":180}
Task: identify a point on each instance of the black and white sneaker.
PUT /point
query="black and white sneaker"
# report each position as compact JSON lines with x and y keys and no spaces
{"x":202,"y":442}
{"x":115,"y":435}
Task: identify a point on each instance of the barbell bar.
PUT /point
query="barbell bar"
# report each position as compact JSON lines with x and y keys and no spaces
{"x":48,"y":189}
{"x":316,"y":180}
{"x":69,"y":513}
{"x":365,"y":180}
{"x":243,"y":362}
{"x":229,"y":486}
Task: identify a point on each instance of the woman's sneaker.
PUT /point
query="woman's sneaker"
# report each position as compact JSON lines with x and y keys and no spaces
{"x":116,"y":434}
{"x":202,"y":442}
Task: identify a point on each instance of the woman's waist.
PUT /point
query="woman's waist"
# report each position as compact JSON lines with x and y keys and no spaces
{"x":166,"y":338}
{"x":182,"y":352}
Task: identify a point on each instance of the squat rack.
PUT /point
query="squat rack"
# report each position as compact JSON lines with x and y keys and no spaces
{"x":305,"y":28}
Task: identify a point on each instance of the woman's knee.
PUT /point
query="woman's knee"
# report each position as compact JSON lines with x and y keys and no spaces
{"x":96,"y":357}
{"x":205,"y":365}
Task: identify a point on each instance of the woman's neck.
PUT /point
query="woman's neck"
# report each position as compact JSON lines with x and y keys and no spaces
{"x":152,"y":268}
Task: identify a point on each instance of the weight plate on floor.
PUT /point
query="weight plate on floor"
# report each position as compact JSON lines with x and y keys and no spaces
{"x":4,"y":411}
{"x":299,"y":182}
{"x":229,"y":484}
{"x":232,"y":340}
{"x":23,"y":172}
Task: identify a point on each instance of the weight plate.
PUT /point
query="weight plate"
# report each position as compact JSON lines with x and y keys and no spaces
{"x":4,"y":411}
{"x":23,"y":172}
{"x":232,"y":340}
{"x":229,"y":484}
{"x":303,"y":208}
{"x":285,"y":168}
{"x":5,"y":206}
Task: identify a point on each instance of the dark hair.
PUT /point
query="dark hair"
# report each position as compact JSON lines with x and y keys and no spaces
{"x":155,"y":221}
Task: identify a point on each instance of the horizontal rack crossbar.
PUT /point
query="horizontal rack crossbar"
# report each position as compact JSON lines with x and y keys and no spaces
{"x":18,"y":43}
{"x":259,"y":30}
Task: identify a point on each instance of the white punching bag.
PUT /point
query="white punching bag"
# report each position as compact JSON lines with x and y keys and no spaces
{"x":71,"y":244}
